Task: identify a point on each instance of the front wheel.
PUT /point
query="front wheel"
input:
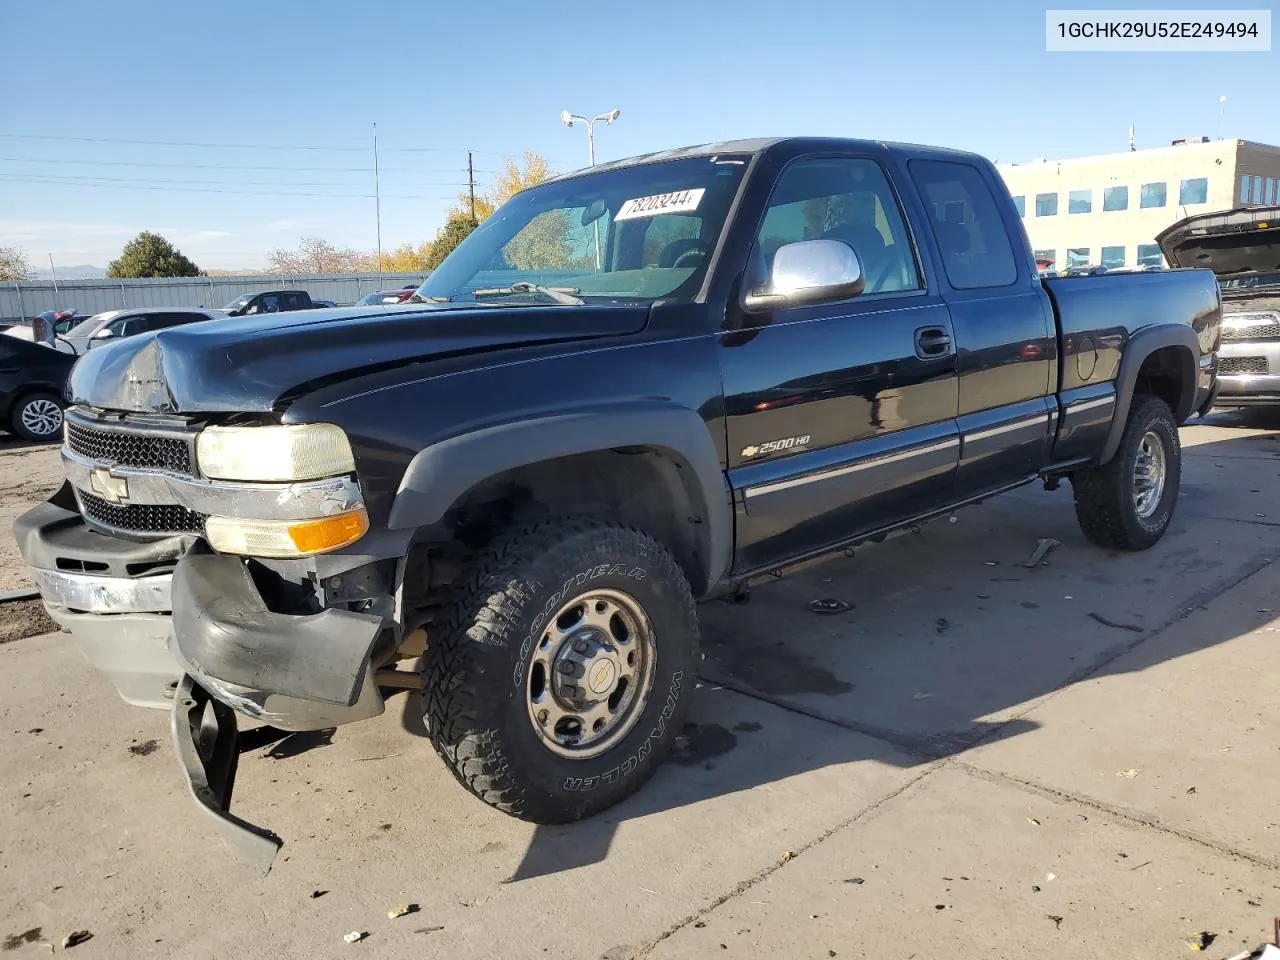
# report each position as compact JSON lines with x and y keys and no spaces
{"x":1128,"y":503}
{"x":37,"y":416}
{"x":558,"y":682}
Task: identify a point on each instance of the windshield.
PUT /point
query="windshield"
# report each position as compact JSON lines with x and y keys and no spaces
{"x":1243,"y":283}
{"x":87,"y":327}
{"x":239,"y":302}
{"x":636,"y":233}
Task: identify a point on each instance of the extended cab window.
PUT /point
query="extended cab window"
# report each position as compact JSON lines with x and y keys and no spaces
{"x":845,"y":199}
{"x":966,"y":221}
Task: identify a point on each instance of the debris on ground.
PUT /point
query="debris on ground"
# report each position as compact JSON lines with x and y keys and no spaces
{"x":75,"y":938}
{"x":1033,"y":821}
{"x":922,"y":696}
{"x":355,"y":936}
{"x":401,"y":910}
{"x":829,"y":605}
{"x":1190,"y":791}
{"x":855,"y":880}
{"x":787,"y":855}
{"x":1057,"y":921}
{"x":428,"y":929}
{"x":1202,"y":940}
{"x":1128,"y":774}
{"x":144,"y":749}
{"x":1050,"y":877}
{"x":1044,"y":546}
{"x":317,"y":894}
{"x":943,"y":624}
{"x":14,"y":941}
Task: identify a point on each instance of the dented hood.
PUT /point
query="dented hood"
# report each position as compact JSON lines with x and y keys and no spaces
{"x":247,"y":364}
{"x":1234,"y":243}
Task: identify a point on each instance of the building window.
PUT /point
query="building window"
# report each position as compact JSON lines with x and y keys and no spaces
{"x":1077,"y":257}
{"x":1195,"y":190}
{"x":1269,"y":195}
{"x":1080,"y":201}
{"x":1115,"y":198}
{"x":1244,"y":189}
{"x":1045,"y":259}
{"x":1149,"y":255}
{"x":1046,"y":204}
{"x":1153,"y":195}
{"x":976,"y":250}
{"x":1020,"y":204}
{"x":1257,"y":189}
{"x":1113,"y":256}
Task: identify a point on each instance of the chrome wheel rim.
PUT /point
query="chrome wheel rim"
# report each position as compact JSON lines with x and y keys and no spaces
{"x":42,"y":417}
{"x":591,"y":674}
{"x":1149,"y":474}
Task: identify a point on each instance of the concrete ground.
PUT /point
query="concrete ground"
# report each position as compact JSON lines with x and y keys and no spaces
{"x":977,"y":759}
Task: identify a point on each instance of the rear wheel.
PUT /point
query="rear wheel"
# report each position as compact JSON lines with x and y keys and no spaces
{"x":37,"y":416}
{"x":1128,"y":503}
{"x":557,"y":683}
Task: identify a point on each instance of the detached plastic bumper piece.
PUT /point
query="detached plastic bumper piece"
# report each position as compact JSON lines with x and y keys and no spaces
{"x":206,"y":739}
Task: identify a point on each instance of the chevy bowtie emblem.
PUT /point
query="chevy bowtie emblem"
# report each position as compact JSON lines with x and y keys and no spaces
{"x":112,"y":489}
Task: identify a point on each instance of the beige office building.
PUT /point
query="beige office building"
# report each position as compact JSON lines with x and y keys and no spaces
{"x":1108,"y":209}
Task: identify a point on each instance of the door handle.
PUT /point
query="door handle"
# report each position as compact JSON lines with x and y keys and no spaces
{"x":932,"y":343}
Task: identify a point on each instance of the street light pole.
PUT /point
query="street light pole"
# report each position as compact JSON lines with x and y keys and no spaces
{"x":569,"y":119}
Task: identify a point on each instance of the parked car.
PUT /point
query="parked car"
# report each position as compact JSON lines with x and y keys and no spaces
{"x":32,"y":380}
{"x":386,"y":296}
{"x":527,"y":479}
{"x":24,"y":329}
{"x":116,"y":324}
{"x":1242,"y":247}
{"x":323,"y":303}
{"x":272,"y":301}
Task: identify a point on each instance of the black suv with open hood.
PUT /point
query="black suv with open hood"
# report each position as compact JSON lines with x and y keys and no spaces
{"x":1243,"y":248}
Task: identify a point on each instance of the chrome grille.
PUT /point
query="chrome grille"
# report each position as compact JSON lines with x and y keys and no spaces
{"x":117,"y":448}
{"x":140,"y":518}
{"x":1237,"y":365}
{"x":1259,"y":331}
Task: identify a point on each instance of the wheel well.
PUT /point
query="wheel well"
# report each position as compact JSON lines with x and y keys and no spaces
{"x":652,"y":489}
{"x":1169,"y":373}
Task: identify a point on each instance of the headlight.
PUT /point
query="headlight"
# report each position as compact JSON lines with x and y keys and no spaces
{"x":286,"y":538}
{"x":309,"y":451}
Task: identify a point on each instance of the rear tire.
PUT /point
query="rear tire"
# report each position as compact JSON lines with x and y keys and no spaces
{"x":37,"y":417}
{"x":557,"y":683}
{"x":1128,"y":503}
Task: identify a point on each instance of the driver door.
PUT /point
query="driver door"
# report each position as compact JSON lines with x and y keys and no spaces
{"x":841,"y":417}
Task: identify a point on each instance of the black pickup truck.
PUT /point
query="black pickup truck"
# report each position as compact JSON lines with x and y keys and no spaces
{"x":632,"y":388}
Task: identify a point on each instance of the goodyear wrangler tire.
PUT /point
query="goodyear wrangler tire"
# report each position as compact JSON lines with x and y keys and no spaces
{"x":561,"y":675}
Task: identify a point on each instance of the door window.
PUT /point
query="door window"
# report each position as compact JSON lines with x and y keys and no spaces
{"x":845,"y":199}
{"x":971,"y":234}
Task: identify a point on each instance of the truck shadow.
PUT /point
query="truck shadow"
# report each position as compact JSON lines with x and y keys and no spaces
{"x":949,"y":639}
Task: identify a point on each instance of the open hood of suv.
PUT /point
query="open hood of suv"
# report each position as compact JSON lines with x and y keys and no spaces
{"x":1234,"y":243}
{"x":253,"y":364}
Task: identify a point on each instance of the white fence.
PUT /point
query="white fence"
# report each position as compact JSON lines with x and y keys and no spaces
{"x":19,"y":300}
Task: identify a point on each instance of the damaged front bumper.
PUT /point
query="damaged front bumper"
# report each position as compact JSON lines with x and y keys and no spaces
{"x":176,"y":627}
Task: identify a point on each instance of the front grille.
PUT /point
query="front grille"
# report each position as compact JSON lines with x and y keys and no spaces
{"x":1260,"y":331}
{"x":143,"y":518}
{"x":1230,"y":365}
{"x":130,"y":449}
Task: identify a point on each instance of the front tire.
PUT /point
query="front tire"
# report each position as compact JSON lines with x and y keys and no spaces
{"x":37,"y":417}
{"x":1128,"y":503}
{"x":559,"y":680}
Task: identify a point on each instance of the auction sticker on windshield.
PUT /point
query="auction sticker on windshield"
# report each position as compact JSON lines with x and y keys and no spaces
{"x":678,"y":201}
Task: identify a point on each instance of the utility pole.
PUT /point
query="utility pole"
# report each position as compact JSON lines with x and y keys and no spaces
{"x":569,"y":119}
{"x":377,"y":202}
{"x":53,"y":271}
{"x":471,"y":182}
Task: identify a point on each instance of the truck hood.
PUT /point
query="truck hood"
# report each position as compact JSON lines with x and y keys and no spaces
{"x":1235,"y":243}
{"x":247,"y":364}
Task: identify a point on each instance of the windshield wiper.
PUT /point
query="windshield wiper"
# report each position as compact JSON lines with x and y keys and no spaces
{"x":558,"y":294}
{"x":418,"y":298}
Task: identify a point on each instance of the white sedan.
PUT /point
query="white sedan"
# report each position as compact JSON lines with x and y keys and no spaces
{"x":113,"y":324}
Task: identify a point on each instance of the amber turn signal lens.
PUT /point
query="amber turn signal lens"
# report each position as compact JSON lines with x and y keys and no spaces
{"x":318,"y":536}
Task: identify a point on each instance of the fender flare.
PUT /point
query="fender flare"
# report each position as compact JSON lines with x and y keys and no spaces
{"x":443,"y":472}
{"x":1140,"y":346}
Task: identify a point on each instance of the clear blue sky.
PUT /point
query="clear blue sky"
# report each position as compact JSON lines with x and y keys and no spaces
{"x":493,"y":77}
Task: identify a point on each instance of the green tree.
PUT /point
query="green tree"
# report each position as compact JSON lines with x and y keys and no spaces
{"x":151,"y":255}
{"x":456,"y":229}
{"x":510,"y":180}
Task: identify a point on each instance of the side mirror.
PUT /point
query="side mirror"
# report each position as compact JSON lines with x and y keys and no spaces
{"x":807,"y":272}
{"x":106,"y":333}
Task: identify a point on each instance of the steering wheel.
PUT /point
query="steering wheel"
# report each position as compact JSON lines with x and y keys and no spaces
{"x":693,"y":256}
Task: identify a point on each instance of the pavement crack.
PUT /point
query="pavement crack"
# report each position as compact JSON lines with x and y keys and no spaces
{"x":1131,"y":627}
{"x":760,"y":875}
{"x":918,"y":748}
{"x":1250,"y":521}
{"x":1117,"y":813}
